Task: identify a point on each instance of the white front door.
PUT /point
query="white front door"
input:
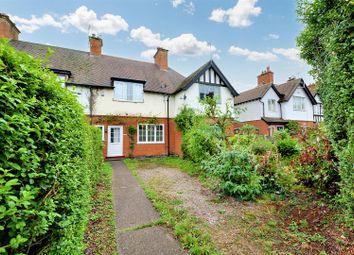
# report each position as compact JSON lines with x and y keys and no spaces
{"x":115,"y":141}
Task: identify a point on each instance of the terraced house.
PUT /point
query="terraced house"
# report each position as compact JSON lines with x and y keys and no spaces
{"x":133,"y":102}
{"x":269,"y":107}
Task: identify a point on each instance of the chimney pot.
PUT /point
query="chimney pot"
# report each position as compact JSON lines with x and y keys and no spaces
{"x":161,"y":58}
{"x":266,"y":77}
{"x":8,"y":29}
{"x":96,"y":44}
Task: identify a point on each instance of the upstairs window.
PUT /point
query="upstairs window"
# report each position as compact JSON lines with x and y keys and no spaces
{"x":150,"y":133}
{"x":271,"y":105}
{"x":128,"y":91}
{"x":209,"y":91}
{"x":299,"y":104}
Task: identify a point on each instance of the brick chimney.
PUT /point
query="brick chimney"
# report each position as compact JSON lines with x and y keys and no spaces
{"x":96,"y":44}
{"x":161,"y":58}
{"x":8,"y":29}
{"x":266,"y":77}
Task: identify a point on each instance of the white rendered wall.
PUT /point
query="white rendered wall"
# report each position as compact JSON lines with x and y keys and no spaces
{"x":271,"y":95}
{"x":250,"y":111}
{"x":83,"y":96}
{"x":190,"y":97}
{"x":288,"y":108}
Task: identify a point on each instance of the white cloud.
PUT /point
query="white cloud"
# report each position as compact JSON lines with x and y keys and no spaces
{"x":239,"y":15}
{"x":176,"y":3}
{"x":183,"y":45}
{"x":82,"y":19}
{"x":290,"y":53}
{"x":35,"y":23}
{"x":252,"y":55}
{"x":86,"y":20}
{"x":273,"y":36}
{"x":189,"y":8}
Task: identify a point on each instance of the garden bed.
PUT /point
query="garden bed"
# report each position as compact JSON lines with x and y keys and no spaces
{"x":302,"y":224}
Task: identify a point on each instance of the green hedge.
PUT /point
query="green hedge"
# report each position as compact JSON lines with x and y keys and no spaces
{"x":50,"y":159}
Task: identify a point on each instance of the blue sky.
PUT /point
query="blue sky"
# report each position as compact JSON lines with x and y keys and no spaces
{"x":242,"y":36}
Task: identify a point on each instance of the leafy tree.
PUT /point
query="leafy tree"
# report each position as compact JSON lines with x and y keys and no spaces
{"x":327,"y":44}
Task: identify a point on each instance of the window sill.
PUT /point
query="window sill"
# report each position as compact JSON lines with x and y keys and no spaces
{"x":151,"y":142}
{"x":127,"y":101}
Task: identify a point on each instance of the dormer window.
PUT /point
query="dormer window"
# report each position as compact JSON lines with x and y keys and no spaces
{"x":129,"y":91}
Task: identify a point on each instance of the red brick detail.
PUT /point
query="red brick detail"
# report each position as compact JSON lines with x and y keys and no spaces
{"x":261,"y":124}
{"x":307,"y":123}
{"x":266,"y":77}
{"x":7,"y":28}
{"x":139,"y":148}
{"x":95,"y":45}
{"x":161,"y":58}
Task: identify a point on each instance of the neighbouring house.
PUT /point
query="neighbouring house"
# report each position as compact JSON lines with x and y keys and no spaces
{"x":132,"y":102}
{"x":269,"y":107}
{"x":318,"y":108}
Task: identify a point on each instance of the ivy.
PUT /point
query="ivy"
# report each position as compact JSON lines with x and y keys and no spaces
{"x":50,"y":159}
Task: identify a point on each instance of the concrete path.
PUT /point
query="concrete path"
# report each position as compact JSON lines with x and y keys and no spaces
{"x":132,"y":211}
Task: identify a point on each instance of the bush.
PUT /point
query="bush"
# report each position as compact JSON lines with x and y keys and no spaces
{"x":202,"y":141}
{"x":237,"y":174}
{"x":293,"y":127}
{"x":261,"y":146}
{"x":318,"y":166}
{"x":49,"y":160}
{"x":186,"y":119}
{"x":286,"y":145}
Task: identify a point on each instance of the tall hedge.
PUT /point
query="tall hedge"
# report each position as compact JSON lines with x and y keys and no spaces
{"x":50,"y":159}
{"x":327,"y":44}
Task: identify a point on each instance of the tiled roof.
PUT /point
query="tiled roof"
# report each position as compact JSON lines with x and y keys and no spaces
{"x":252,"y":94}
{"x":288,"y":88}
{"x":87,"y":69}
{"x":274,"y":120}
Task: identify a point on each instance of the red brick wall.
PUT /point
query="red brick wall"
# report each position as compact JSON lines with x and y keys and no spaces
{"x":141,"y":149}
{"x":7,"y":29}
{"x":261,"y":124}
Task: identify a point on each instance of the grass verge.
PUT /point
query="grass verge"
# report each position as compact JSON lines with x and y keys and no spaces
{"x":101,"y":235}
{"x":188,"y":229}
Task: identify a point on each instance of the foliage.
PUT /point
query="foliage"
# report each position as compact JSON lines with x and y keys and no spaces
{"x":317,"y":163}
{"x":100,"y":235}
{"x":248,"y":129}
{"x":186,"y":119}
{"x":131,"y":135}
{"x":237,"y":173}
{"x":286,"y":145}
{"x":261,"y":146}
{"x":50,"y":160}
{"x":293,"y":127}
{"x":326,"y":44}
{"x":201,"y":141}
{"x":187,"y":228}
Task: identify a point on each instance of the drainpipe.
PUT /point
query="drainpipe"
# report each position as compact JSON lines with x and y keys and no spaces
{"x":281,"y":111}
{"x":263,"y":107}
{"x":168,"y":125}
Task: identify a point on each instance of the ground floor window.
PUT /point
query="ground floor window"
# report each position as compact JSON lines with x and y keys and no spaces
{"x":150,"y":133}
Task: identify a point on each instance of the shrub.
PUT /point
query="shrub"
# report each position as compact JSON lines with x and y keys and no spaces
{"x":202,"y":141}
{"x":186,"y":119}
{"x":237,"y":174}
{"x":49,"y":160}
{"x":286,"y":145}
{"x":293,"y":127}
{"x":318,"y":166}
{"x":261,"y":145}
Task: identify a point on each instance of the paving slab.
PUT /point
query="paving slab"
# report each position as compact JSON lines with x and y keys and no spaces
{"x":132,"y":207}
{"x":148,"y":241}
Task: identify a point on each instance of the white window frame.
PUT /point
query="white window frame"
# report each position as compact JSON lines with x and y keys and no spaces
{"x":146,"y":134}
{"x":101,"y":126}
{"x":218,"y":87}
{"x":299,"y":106}
{"x":129,"y":83}
{"x":272,"y":105}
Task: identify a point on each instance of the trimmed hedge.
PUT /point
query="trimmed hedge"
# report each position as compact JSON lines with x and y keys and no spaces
{"x":50,"y":160}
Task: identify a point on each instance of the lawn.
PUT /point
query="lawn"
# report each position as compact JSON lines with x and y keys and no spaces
{"x":207,"y":222}
{"x":100,"y":235}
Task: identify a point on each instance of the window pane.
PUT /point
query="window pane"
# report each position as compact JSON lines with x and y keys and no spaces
{"x":211,"y":91}
{"x":129,"y":91}
{"x":159,"y":133}
{"x":138,"y":92}
{"x":142,"y":133}
{"x":151,"y":133}
{"x":115,"y":135}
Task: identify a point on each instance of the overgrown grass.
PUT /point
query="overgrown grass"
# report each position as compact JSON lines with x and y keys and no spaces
{"x":101,"y":235}
{"x":188,"y":229}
